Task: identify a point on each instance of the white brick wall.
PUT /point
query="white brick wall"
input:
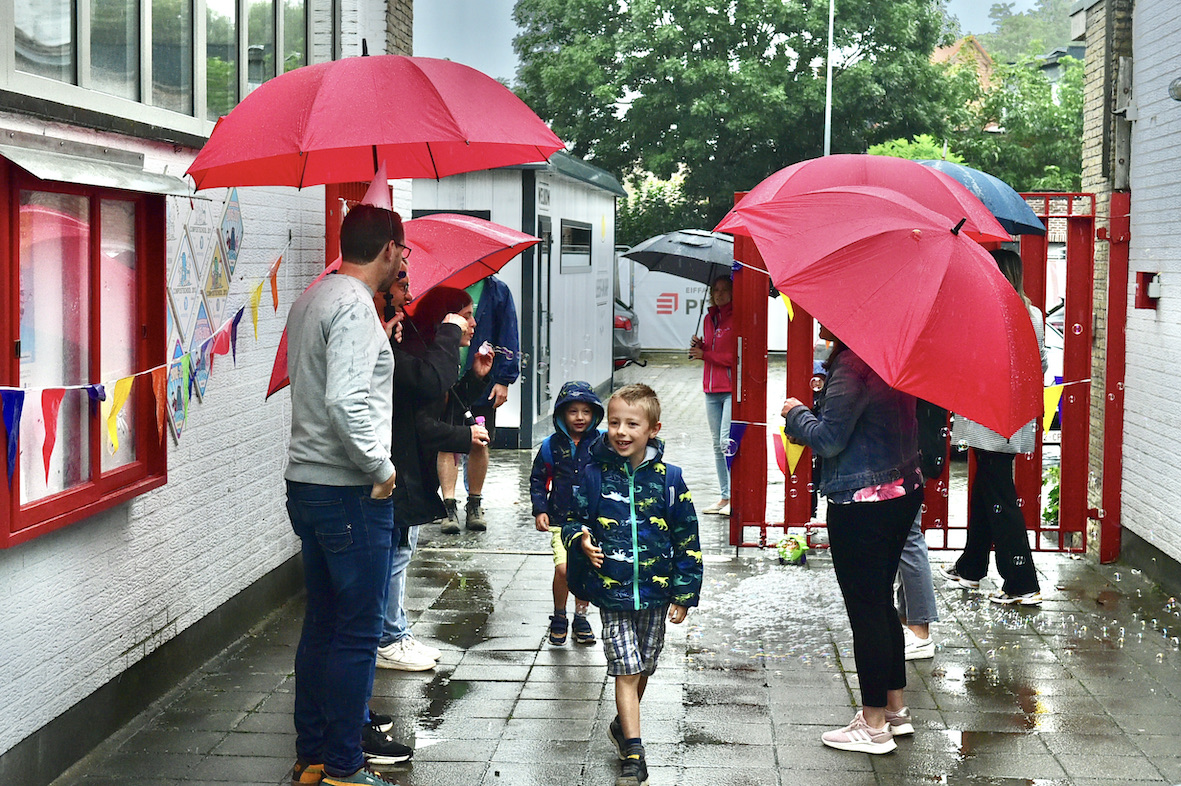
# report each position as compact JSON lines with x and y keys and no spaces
{"x":1152,"y":428}
{"x":82,"y":604}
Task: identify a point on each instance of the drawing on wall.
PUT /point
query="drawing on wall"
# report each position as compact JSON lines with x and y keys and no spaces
{"x":184,"y":286}
{"x":202,"y":329}
{"x":176,"y":393}
{"x":217,"y":286}
{"x":231,"y":230}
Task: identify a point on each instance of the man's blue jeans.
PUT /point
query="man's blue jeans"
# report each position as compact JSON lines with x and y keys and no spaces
{"x":347,"y":538}
{"x":397,"y":627}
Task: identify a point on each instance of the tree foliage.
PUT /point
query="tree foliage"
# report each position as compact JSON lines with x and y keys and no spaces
{"x":730,"y":90}
{"x":1042,"y":28}
{"x":921,"y":148}
{"x":653,"y":207}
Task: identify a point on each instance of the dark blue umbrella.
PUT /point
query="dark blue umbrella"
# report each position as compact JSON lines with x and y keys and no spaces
{"x":1002,"y":201}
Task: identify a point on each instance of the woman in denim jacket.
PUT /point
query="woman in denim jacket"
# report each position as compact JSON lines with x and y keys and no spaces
{"x":867,"y":434}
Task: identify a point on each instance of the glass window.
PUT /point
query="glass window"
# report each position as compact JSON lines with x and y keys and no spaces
{"x":172,"y":55}
{"x":54,"y":336}
{"x":117,"y":311}
{"x":260,"y":42}
{"x":114,"y":47}
{"x":44,"y":38}
{"x":295,"y":35}
{"x":221,"y":57}
{"x":576,"y":246}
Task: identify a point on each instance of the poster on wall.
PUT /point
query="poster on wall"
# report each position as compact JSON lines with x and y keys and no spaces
{"x":185,"y":285}
{"x":202,"y":329}
{"x":217,"y":286}
{"x":202,"y":234}
{"x":231,"y":230}
{"x":176,"y":392}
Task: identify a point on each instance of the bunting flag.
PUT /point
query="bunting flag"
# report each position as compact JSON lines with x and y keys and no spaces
{"x":185,"y":381}
{"x":779,"y":442}
{"x":51,"y":401}
{"x":791,"y":310}
{"x":234,"y":333}
{"x":96,"y":392}
{"x":1051,"y":395}
{"x":12,"y":401}
{"x":737,"y":430}
{"x":122,"y":391}
{"x":160,"y":388}
{"x":275,"y":282}
{"x":787,"y":454}
{"x":255,"y":297}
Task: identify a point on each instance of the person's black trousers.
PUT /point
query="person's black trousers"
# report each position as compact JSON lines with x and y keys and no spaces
{"x":866,"y":540}
{"x":995,"y":521}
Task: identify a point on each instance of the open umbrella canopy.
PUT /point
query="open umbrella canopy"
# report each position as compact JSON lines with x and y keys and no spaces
{"x":336,"y":122}
{"x":1007,"y":205}
{"x":448,"y":249}
{"x":922,"y":184}
{"x":689,"y":253}
{"x":923,"y":305}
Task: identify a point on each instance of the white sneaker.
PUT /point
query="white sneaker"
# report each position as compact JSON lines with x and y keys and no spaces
{"x":916,"y":648}
{"x":426,"y":649}
{"x":860,"y":736}
{"x":899,"y":722}
{"x":402,"y":657}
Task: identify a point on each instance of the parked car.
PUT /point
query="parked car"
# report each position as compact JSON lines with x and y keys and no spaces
{"x":626,"y":336}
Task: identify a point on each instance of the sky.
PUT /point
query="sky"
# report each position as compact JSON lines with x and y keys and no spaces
{"x":479,"y":33}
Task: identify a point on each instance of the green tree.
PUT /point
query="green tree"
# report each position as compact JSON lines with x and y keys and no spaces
{"x":1027,"y":131}
{"x":653,"y":207}
{"x":1044,"y":27}
{"x":732,"y":90}
{"x":921,"y":148}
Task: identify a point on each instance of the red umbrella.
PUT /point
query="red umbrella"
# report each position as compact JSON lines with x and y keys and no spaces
{"x":453,"y":250}
{"x":922,"y":304}
{"x":929,"y":187}
{"x":336,"y":122}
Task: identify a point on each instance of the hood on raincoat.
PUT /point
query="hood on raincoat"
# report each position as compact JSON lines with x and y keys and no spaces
{"x":577,"y":391}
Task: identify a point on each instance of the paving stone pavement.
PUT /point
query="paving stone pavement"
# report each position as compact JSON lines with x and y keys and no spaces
{"x":1084,"y":690}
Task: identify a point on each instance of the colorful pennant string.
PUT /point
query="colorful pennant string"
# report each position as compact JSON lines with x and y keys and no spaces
{"x":12,"y":401}
{"x":122,"y":391}
{"x":737,"y":430}
{"x":160,"y":389}
{"x":51,"y":401}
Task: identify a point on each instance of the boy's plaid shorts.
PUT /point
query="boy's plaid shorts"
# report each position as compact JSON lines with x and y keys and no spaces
{"x":632,"y":640}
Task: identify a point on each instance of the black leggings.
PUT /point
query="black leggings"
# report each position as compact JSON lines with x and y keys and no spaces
{"x":995,"y":520}
{"x":866,"y":540}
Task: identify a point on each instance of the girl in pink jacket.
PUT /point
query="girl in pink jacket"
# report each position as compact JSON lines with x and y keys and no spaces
{"x":717,"y":349}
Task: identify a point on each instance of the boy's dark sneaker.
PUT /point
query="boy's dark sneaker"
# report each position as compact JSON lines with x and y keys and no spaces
{"x":381,"y":748}
{"x":615,"y":732}
{"x":582,"y":630}
{"x":450,"y":525}
{"x":558,"y":625}
{"x":304,"y":774}
{"x":474,"y":514}
{"x":379,"y":722}
{"x":635,"y":769}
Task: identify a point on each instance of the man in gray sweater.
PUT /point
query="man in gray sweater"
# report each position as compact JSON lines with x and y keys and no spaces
{"x":339,"y":481}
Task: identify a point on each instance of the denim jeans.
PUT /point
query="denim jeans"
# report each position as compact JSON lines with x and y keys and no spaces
{"x":396,"y":625}
{"x":347,"y":538}
{"x":916,"y":589}
{"x":717,"y":412}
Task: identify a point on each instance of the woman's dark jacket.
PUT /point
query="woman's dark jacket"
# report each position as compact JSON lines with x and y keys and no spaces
{"x":423,"y":378}
{"x":866,"y":431}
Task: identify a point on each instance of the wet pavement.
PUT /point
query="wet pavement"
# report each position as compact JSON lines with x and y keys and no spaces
{"x":1084,"y":690}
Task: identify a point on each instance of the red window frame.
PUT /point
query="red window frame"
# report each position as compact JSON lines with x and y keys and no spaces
{"x":105,"y":489}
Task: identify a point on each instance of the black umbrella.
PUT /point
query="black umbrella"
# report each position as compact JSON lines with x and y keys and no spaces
{"x":689,"y":253}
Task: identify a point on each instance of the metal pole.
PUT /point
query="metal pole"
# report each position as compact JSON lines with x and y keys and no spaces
{"x":828,"y":83}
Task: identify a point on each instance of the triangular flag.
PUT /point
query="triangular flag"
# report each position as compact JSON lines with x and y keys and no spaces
{"x":122,"y":391}
{"x":13,"y":401}
{"x":255,"y":297}
{"x":160,"y":388}
{"x":279,"y":379}
{"x":778,"y":441}
{"x":1051,"y":395}
{"x":791,"y":310}
{"x":234,"y":332}
{"x":737,"y":430}
{"x":379,"y":194}
{"x":97,"y":392}
{"x":221,"y":342}
{"x":794,"y":452}
{"x":51,"y":401}
{"x":185,"y":381}
{"x":275,"y":285}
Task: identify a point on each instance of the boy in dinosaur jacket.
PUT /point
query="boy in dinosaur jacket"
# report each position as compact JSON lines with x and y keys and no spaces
{"x":634,"y":553}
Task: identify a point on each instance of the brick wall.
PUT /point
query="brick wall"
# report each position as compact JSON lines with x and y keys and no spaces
{"x":1152,"y":430}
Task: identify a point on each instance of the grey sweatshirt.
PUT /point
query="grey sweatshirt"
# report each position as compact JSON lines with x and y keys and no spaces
{"x":341,"y":370}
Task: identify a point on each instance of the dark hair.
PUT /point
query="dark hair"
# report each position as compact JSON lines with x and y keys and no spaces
{"x":1012,"y":269}
{"x":437,"y":303}
{"x":366,"y":230}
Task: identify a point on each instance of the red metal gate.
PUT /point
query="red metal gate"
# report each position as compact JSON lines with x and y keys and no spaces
{"x":1070,"y":216}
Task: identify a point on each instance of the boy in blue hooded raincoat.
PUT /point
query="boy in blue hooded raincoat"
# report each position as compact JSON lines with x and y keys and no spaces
{"x":577,"y":415}
{"x":634,"y":552}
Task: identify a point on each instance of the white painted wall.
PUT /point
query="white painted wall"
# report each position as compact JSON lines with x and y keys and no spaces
{"x":83,"y":604}
{"x":1152,"y":426}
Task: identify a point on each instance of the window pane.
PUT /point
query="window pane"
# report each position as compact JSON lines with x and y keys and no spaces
{"x":172,"y":55}
{"x":44,"y":38}
{"x":54,"y":336}
{"x":118,"y":314}
{"x":221,"y":53}
{"x":114,"y":47}
{"x":295,"y":35}
{"x":260,"y":42}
